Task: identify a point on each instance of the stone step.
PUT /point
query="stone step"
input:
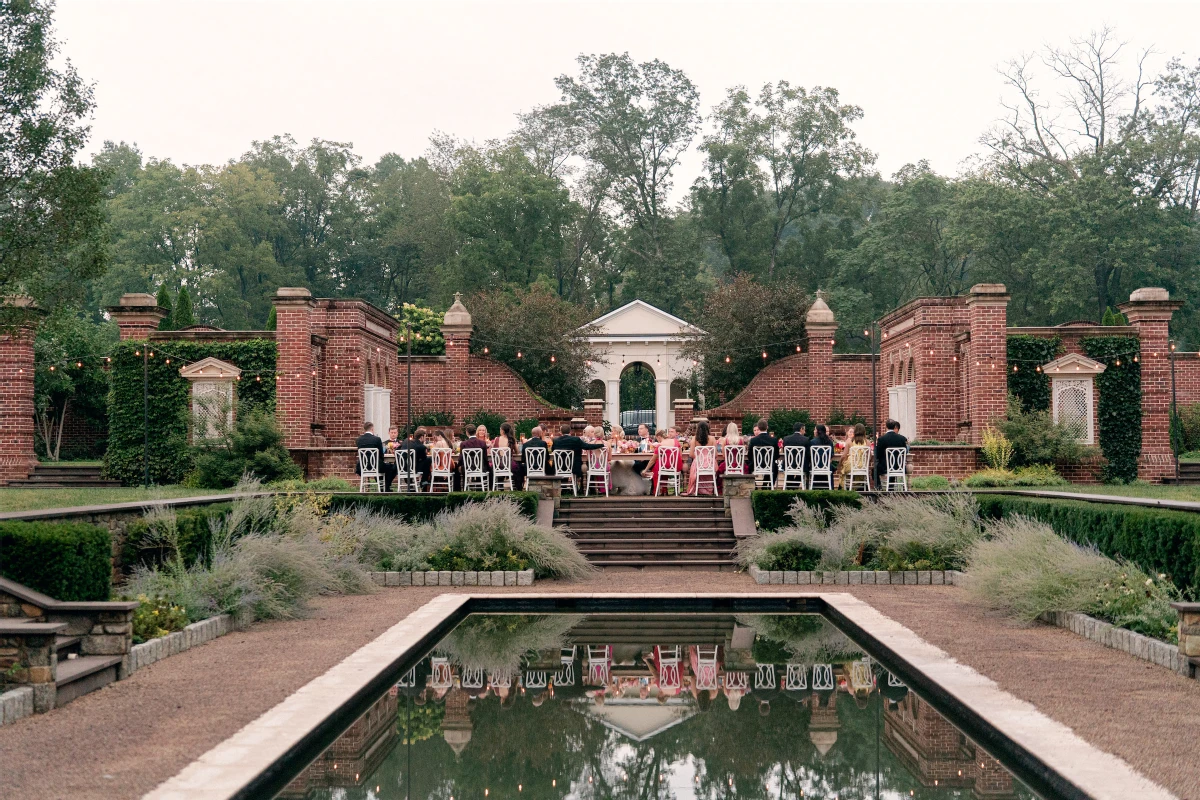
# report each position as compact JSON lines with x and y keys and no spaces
{"x":699,"y":564}
{"x":601,"y":539}
{"x":60,"y":483}
{"x":576,"y":517}
{"x":66,"y":644}
{"x":78,"y":676}
{"x":649,"y":532}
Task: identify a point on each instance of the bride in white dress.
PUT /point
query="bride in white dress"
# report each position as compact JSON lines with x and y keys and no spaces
{"x":625,"y":481}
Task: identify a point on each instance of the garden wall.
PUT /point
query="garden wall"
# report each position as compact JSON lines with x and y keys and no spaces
{"x":950,"y":461}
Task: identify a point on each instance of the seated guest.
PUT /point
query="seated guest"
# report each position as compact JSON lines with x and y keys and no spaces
{"x":645,"y":445}
{"x":856,"y":436}
{"x":536,"y":442}
{"x":567,"y":442}
{"x":392,"y":443}
{"x":797,"y":439}
{"x":890,"y":439}
{"x":507,"y":440}
{"x":369,"y":439}
{"x":762,"y":439}
{"x":424,"y":464}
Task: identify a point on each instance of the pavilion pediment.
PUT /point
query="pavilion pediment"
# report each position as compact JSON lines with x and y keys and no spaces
{"x":640,"y":320}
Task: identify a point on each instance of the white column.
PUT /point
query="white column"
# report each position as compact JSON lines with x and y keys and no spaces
{"x":613,"y":412}
{"x":662,"y":404}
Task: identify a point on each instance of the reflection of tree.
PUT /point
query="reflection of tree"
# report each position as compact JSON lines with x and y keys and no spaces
{"x":497,"y":642}
{"x":423,"y":721}
{"x":809,"y":638}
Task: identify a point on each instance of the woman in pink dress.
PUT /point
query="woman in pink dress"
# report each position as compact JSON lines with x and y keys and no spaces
{"x":701,"y":439}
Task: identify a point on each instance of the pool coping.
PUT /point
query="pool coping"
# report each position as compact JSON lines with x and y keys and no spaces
{"x":235,"y":764}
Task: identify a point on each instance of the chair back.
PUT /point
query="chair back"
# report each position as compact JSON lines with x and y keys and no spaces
{"x":501,"y":460}
{"x":764,"y":460}
{"x":822,"y":457}
{"x":598,"y":460}
{"x":564,"y":462}
{"x":705,"y":458}
{"x":793,"y":458}
{"x":735,"y":459}
{"x":406,"y":463}
{"x":535,"y":461}
{"x":472,"y":459}
{"x":897,"y":458}
{"x":368,"y":460}
{"x":443,"y":460}
{"x":860,"y":458}
{"x":668,"y":460}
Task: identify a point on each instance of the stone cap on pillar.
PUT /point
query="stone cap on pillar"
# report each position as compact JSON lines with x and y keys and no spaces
{"x":457,"y":318}
{"x":1149,"y":303}
{"x":292,"y":296}
{"x":136,"y":308}
{"x":990,"y":293}
{"x":683,"y":402}
{"x":819,"y":313}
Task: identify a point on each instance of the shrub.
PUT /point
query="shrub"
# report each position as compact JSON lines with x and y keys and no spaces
{"x":433,"y":420}
{"x":489,"y":419}
{"x":144,"y":545}
{"x":1156,"y":540}
{"x":990,"y":478}
{"x":1119,"y":411}
{"x":1028,"y":384}
{"x":929,"y":482}
{"x":255,"y":448}
{"x":156,"y":617}
{"x":524,"y":427}
{"x":69,"y":561}
{"x":771,"y":507}
{"x":420,"y":507}
{"x":1188,"y":428}
{"x":1036,"y":438}
{"x":788,"y":554}
{"x":782,"y":420}
{"x":997,"y":450}
{"x":1039,"y":475}
{"x":329,"y":484}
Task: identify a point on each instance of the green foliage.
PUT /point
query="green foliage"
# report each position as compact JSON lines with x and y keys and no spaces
{"x":71,"y":379}
{"x":254,"y":448}
{"x":1036,"y":438}
{"x":1028,"y":384}
{"x":839,"y":417}
{"x":1119,"y":416}
{"x":163,"y":299}
{"x":1186,"y":428}
{"x":328,"y":484}
{"x":420,"y":723}
{"x":789,"y":555}
{"x":997,"y":450}
{"x":156,"y":617}
{"x":990,"y":478}
{"x":1113,"y":317}
{"x":169,"y":408}
{"x":1033,"y":475}
{"x":419,"y":507}
{"x":524,"y":427}
{"x":69,"y":561}
{"x":426,"y":326}
{"x":1157,"y":540}
{"x":771,"y":507}
{"x":489,"y":419}
{"x":430,"y":420}
{"x":272,"y":321}
{"x":143,"y":546}
{"x":184,"y":316}
{"x":929,"y":483}
{"x":782,"y":420}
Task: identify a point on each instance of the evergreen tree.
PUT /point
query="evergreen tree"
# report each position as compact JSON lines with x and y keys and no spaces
{"x":270,"y":320}
{"x":183,"y":317}
{"x":164,"y":301}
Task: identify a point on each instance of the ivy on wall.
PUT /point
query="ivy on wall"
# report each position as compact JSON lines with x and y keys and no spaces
{"x":170,"y":454}
{"x":1027,"y":353}
{"x":1120,"y":407}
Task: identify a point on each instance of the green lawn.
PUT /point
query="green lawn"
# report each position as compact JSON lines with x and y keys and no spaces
{"x":1157,"y":492}
{"x":31,"y":499}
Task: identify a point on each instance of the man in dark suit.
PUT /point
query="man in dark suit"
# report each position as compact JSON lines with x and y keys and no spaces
{"x":568,"y":442}
{"x":476,"y":440}
{"x":762,"y":438}
{"x":535,"y":442}
{"x":369,"y":439}
{"x":423,"y":462}
{"x":890,"y":439}
{"x":797,"y":439}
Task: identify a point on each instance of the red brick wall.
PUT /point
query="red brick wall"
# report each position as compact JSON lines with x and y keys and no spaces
{"x":988,"y":318}
{"x":1187,"y":378}
{"x":955,"y":462}
{"x":1151,"y":320}
{"x":17,"y":457}
{"x":786,"y":383}
{"x":852,"y":385}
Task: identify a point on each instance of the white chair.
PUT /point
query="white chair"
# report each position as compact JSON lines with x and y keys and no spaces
{"x":705,"y":459}
{"x":707,"y":669}
{"x":670,"y":675}
{"x":474,"y":470}
{"x":862,"y":679}
{"x":737,"y":680}
{"x":860,"y":467}
{"x":409,"y":680}
{"x":796,"y":677}
{"x":897,"y":460}
{"x":599,"y":664}
{"x":442,"y":677}
{"x":822,"y":677}
{"x":535,"y":461}
{"x":564,"y":468}
{"x":472,"y":678}
{"x":536,"y":679}
{"x":368,"y":469}
{"x":735,"y":459}
{"x":793,"y":466}
{"x":500,"y":679}
{"x":566,"y":670}
{"x":501,"y":467}
{"x":668,"y":469}
{"x":407,"y":479}
{"x":822,"y":466}
{"x":442,"y":469}
{"x":764,"y":467}
{"x":598,"y":471}
{"x":764,"y":676}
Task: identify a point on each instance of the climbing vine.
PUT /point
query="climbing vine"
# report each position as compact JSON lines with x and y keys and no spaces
{"x":1120,"y":407}
{"x":1026,"y":382}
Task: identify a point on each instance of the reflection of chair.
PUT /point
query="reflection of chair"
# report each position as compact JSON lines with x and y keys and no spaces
{"x":535,"y":461}
{"x":564,"y":466}
{"x":705,"y":459}
{"x":822,"y":466}
{"x":474,"y":473}
{"x":501,"y":468}
{"x":737,"y":680}
{"x":764,"y":467}
{"x":597,"y":471}
{"x":706,"y":667}
{"x":793,"y":466}
{"x":764,"y":676}
{"x":668,"y":469}
{"x":796,"y":677}
{"x":735,"y":459}
{"x":861,"y":677}
{"x":368,"y":469}
{"x":670,"y":676}
{"x":500,"y":679}
{"x":408,"y":680}
{"x":822,"y":677}
{"x":860,"y":461}
{"x":536,"y":680}
{"x":599,"y":664}
{"x":442,"y":677}
{"x":442,"y":470}
{"x":565,"y":675}
{"x":894,"y":681}
{"x":896,"y":463}
{"x":407,"y":479}
{"x":472,"y":677}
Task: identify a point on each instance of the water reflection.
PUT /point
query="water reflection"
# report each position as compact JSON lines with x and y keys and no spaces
{"x":651,"y":706}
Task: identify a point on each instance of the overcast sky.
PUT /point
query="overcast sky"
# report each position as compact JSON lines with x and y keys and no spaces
{"x":196,"y":82}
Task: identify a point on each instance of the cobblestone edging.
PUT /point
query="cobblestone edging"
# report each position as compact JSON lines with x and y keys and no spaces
{"x":16,"y":704}
{"x":146,"y":653}
{"x":857,"y":577}
{"x":1135,"y":644}
{"x":454,"y":578}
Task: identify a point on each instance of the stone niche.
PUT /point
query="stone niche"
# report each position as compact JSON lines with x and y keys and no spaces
{"x":212,"y":396}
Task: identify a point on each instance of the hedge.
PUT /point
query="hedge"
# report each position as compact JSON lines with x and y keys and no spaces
{"x":1028,"y":383}
{"x":771,"y":506}
{"x":69,"y":561}
{"x":1157,"y":540}
{"x":1119,"y":409}
{"x":426,"y":506}
{"x":195,"y":537}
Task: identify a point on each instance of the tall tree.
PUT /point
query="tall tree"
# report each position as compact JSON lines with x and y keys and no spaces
{"x":51,"y":212}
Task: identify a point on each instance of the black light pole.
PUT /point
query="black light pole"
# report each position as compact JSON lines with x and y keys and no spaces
{"x":408,"y":341}
{"x":872,"y":339}
{"x":146,"y":415}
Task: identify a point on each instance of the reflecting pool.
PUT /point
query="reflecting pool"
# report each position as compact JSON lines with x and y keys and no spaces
{"x":651,"y":706}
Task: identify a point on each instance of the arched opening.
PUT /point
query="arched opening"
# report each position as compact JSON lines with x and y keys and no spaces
{"x":637,"y":396}
{"x":595,"y":390}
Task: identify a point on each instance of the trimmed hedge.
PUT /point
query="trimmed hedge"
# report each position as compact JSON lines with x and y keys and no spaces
{"x":69,"y":561}
{"x":1157,"y":540}
{"x":771,"y":506}
{"x":195,"y":536}
{"x":427,"y":506}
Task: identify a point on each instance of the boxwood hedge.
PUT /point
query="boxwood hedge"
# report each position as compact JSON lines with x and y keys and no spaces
{"x":426,"y":506}
{"x":771,"y":506}
{"x":66,"y":560}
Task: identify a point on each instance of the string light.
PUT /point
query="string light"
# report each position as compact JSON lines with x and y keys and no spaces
{"x":1014,"y":367}
{"x":726,"y":359}
{"x":485,"y":350}
{"x":552,"y":359}
{"x":518,"y":354}
{"x":764,"y":354}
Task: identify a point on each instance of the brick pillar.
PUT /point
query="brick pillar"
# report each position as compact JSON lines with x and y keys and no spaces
{"x":987,"y":318}
{"x":1149,"y":312}
{"x":820,"y":327}
{"x":137,"y":315}
{"x":17,"y":454}
{"x":684,"y":409}
{"x":593,"y":412}
{"x":456,"y":330}
{"x":293,"y":365}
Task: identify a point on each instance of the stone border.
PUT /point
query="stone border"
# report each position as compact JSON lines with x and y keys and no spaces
{"x":864,"y":577}
{"x":1127,"y":641}
{"x":454,"y":578}
{"x":198,"y":633}
{"x":16,"y":704}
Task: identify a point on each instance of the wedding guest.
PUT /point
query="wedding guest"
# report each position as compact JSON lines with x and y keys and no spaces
{"x":507,"y":440}
{"x":855,"y":437}
{"x":424,"y":465}
{"x":370,"y":440}
{"x":892,"y":438}
{"x":701,"y":439}
{"x":645,"y":445}
{"x":797,"y":439}
{"x":567,"y":442}
{"x":392,"y":443}
{"x":535,"y":442}
{"x":762,"y":438}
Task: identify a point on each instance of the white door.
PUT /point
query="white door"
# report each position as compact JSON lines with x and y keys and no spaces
{"x":902,"y":407}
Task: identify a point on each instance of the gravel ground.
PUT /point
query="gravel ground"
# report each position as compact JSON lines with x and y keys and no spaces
{"x":125,"y":739}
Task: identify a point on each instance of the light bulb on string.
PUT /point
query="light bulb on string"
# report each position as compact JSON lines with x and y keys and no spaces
{"x":726,"y":359}
{"x":519,"y":354}
{"x":258,"y":378}
{"x":552,"y":359}
{"x":52,"y":368}
{"x":1135,"y":359}
{"x":80,"y":363}
{"x":797,"y":348}
{"x":1014,"y":367}
{"x":485,"y":350}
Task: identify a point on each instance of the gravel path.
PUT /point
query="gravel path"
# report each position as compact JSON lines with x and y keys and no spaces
{"x":124,"y":740}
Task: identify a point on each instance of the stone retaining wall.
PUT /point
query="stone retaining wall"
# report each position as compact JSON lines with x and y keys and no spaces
{"x":146,"y":653}
{"x":16,"y":704}
{"x":454,"y":578}
{"x":856,"y":577}
{"x":1135,"y":644}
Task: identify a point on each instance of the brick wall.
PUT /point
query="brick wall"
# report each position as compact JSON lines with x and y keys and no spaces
{"x":955,"y":462}
{"x":1187,"y":378}
{"x":786,"y":383}
{"x":17,"y":457}
{"x":852,"y":385}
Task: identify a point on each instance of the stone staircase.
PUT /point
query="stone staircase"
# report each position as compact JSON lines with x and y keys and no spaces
{"x":63,"y":475}
{"x":1189,"y":474}
{"x":672,"y":532}
{"x":654,"y":629}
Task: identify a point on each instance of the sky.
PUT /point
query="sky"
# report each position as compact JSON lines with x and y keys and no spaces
{"x":197,"y":82}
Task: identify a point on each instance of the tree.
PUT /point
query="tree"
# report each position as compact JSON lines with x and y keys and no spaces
{"x":163,"y":300}
{"x":271,"y":320}
{"x":51,"y":212}
{"x":72,"y":351}
{"x":184,"y":317}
